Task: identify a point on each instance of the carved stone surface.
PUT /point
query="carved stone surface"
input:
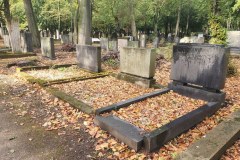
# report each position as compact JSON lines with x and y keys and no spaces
{"x":200,"y":64}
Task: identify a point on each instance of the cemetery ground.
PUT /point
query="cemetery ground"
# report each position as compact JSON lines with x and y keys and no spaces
{"x":35,"y":124}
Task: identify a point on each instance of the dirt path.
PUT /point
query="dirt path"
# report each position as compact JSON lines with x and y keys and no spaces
{"x":21,"y":136}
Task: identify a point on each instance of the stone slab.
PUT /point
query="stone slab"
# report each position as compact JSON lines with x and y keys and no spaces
{"x":112,"y":46}
{"x":200,"y":64}
{"x":71,"y":100}
{"x":47,"y":47}
{"x":89,"y":57}
{"x":143,"y":82}
{"x":104,"y":43}
{"x":122,"y":130}
{"x":216,"y":142}
{"x":134,"y":44}
{"x":138,"y":61}
{"x":143,"y":41}
{"x":233,"y":38}
{"x":197,"y":93}
{"x":128,"y":102}
{"x":26,"y":42}
{"x":65,"y":39}
{"x":157,"y":138}
{"x":122,"y":43}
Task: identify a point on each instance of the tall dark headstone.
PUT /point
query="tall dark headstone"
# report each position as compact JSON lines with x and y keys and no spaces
{"x":200,"y":64}
{"x":26,"y":42}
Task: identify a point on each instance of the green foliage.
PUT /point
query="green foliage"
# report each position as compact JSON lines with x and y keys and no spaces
{"x":217,"y":31}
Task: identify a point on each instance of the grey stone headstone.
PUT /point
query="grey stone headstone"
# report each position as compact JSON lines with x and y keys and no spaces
{"x":176,"y":40}
{"x":143,"y":41}
{"x":47,"y":47}
{"x":156,"y":42}
{"x":200,"y":64}
{"x":233,"y":38}
{"x":134,"y":44}
{"x":65,"y":39}
{"x":26,"y":42}
{"x":89,"y":57}
{"x":112,"y":46}
{"x":122,"y":43}
{"x":6,"y":40}
{"x":138,"y":61}
{"x":70,"y":37}
{"x":104,"y":43}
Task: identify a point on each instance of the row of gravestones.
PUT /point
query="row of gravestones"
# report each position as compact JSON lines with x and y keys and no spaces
{"x":25,"y":40}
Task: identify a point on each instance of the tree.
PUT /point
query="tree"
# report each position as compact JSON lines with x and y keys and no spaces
{"x":32,"y":25}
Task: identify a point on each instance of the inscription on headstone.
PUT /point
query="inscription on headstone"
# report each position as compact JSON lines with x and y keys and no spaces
{"x":200,"y":64}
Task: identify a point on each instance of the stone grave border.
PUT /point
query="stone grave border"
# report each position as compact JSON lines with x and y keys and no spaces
{"x":7,"y":55}
{"x":216,"y":142}
{"x":151,"y":141}
{"x":45,"y":83}
{"x":156,"y":138}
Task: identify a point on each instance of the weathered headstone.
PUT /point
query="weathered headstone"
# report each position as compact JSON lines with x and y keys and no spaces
{"x":233,"y":38}
{"x":156,"y":42}
{"x":6,"y":40}
{"x":15,"y":36}
{"x":47,"y":47}
{"x":176,"y":40}
{"x":201,"y":64}
{"x":122,"y":43}
{"x":26,"y":42}
{"x":65,"y":39}
{"x":70,"y":37}
{"x":1,"y":32}
{"x":143,"y":41}
{"x":57,"y":34}
{"x":89,"y":57}
{"x":137,"y":65}
{"x":112,"y":46}
{"x":185,"y":40}
{"x":134,"y":44}
{"x":104,"y":43}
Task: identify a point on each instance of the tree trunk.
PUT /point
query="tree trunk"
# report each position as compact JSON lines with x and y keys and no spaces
{"x":85,"y":23}
{"x":178,"y":20}
{"x":76,"y":18}
{"x":32,"y":24}
{"x":133,"y":23}
{"x":13,"y":28}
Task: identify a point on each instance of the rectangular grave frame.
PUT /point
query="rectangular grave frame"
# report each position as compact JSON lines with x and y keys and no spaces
{"x":9,"y":55}
{"x":45,"y":83}
{"x":166,"y":132}
{"x":155,"y":139}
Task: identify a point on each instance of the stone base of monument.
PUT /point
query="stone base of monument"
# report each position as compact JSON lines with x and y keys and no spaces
{"x":141,"y":81}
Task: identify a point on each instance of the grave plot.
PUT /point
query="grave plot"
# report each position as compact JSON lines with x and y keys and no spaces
{"x":48,"y":75}
{"x":145,"y":114}
{"x":194,"y":75}
{"x":101,"y":92}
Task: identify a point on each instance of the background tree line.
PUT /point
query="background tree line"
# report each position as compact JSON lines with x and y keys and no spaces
{"x":114,"y":17}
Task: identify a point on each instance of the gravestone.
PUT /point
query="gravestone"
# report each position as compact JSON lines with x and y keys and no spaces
{"x":57,"y":34}
{"x":26,"y":42}
{"x":137,"y":65}
{"x":122,"y":43}
{"x":201,"y":64}
{"x":47,"y":47}
{"x":156,"y":42}
{"x":176,"y":39}
{"x":6,"y":40}
{"x":143,"y":41}
{"x":233,"y":38}
{"x":185,"y":40}
{"x":15,"y":36}
{"x":65,"y":39}
{"x":89,"y":57}
{"x":134,"y":44}
{"x":1,"y":32}
{"x":70,"y":37}
{"x":104,"y":43}
{"x":112,"y":46}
